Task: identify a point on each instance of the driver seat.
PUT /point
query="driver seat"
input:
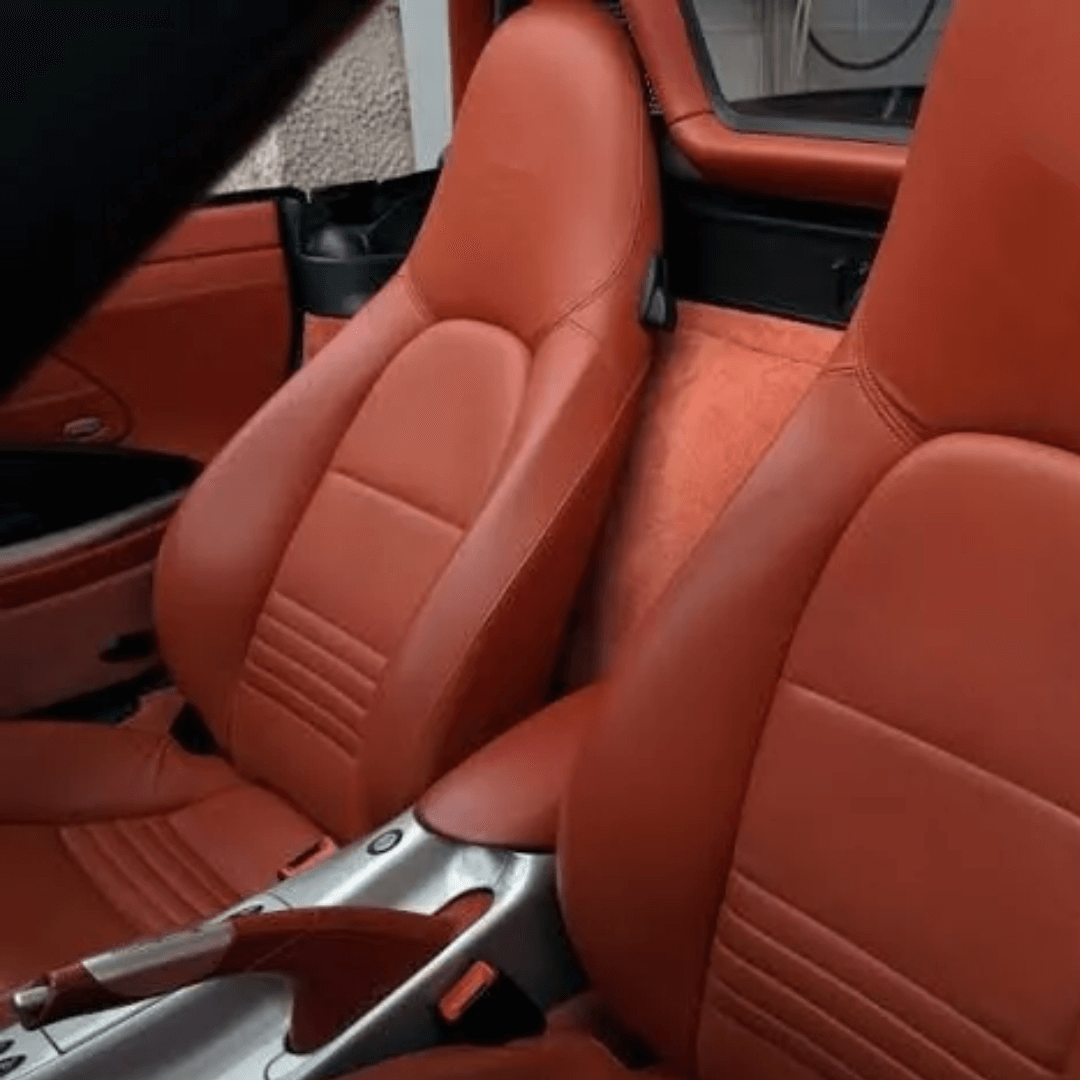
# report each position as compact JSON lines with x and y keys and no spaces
{"x":828,"y":825}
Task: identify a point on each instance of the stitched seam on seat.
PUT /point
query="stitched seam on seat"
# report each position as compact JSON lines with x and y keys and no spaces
{"x":621,"y":262}
{"x":160,"y":915}
{"x":69,"y":844}
{"x":192,"y":862}
{"x":856,"y":715}
{"x":339,"y":724}
{"x":907,"y":428}
{"x":915,"y":1033}
{"x":373,"y":683}
{"x":540,"y":544}
{"x":350,"y":634}
{"x":782,"y":987}
{"x":172,"y":880}
{"x":90,"y":834}
{"x":350,"y":751}
{"x":752,"y":1007}
{"x":394,"y":497}
{"x":785,"y":650}
{"x":336,"y":691}
{"x":304,"y":504}
{"x":412,"y":290}
{"x":799,"y":913}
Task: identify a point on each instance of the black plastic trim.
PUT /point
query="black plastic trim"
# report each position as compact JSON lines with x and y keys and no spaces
{"x":48,"y":489}
{"x":804,"y":261}
{"x":345,"y":242}
{"x":292,"y":197}
{"x":232,"y":198}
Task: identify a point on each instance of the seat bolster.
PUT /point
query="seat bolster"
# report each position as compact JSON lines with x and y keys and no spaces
{"x":225,"y":544}
{"x":61,"y":773}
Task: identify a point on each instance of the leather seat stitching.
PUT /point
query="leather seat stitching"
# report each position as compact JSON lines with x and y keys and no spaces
{"x":396,"y":498}
{"x":798,"y":913}
{"x":540,"y":543}
{"x":909,"y":1026}
{"x":348,"y":750}
{"x":412,"y":290}
{"x":854,"y":714}
{"x":907,"y":428}
{"x":363,"y":676}
{"x":351,"y":635}
{"x":337,"y":692}
{"x":346,"y":726}
{"x":69,"y":843}
{"x":331,"y":725}
{"x":160,"y":914}
{"x":210,"y":879}
{"x":176,"y":882}
{"x":752,"y":1007}
{"x":829,"y":372}
{"x":829,"y":1018}
{"x":304,"y":505}
{"x":630,"y":249}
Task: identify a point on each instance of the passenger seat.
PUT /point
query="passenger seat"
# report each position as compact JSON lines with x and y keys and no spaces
{"x":829,"y":823}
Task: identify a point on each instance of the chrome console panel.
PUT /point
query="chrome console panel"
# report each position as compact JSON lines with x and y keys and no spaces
{"x":234,"y":1028}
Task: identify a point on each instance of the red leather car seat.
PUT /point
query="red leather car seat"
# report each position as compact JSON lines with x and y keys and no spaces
{"x":372,"y":578}
{"x":829,"y":822}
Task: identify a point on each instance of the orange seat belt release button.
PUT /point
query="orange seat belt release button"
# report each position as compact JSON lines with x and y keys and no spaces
{"x":478,"y":979}
{"x":320,"y":851}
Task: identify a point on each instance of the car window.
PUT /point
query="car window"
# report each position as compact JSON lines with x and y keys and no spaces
{"x":852,"y":68}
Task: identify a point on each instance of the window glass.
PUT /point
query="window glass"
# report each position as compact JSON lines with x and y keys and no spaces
{"x":799,"y":64}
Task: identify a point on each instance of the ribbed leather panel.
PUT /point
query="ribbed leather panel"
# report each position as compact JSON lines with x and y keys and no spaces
{"x":905,"y":894}
{"x":810,"y":991}
{"x":148,"y":872}
{"x":408,"y":478}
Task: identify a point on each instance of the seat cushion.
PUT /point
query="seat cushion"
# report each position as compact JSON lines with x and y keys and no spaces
{"x":555,"y":1057}
{"x":109,"y":834}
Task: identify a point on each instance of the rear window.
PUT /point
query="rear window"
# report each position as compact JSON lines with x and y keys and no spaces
{"x":842,"y":68}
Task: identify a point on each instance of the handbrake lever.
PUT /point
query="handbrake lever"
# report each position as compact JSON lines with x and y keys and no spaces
{"x":339,"y":960}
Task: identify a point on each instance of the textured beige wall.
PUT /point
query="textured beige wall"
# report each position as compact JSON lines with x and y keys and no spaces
{"x":351,"y":121}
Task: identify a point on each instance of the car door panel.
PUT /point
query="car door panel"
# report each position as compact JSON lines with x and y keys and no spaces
{"x":58,"y":401}
{"x":55,"y":648}
{"x":199,"y":336}
{"x":177,"y":355}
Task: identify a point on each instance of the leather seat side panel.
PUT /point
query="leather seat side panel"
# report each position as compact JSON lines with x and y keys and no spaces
{"x":124,"y":835}
{"x":687,"y":701}
{"x":903,"y":898}
{"x":222,"y":551}
{"x":403,"y":487}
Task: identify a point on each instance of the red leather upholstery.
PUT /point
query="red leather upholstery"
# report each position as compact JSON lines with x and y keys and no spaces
{"x":370,"y":581}
{"x":826,"y":824}
{"x":509,"y":793}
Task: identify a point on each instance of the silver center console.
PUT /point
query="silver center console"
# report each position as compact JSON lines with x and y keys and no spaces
{"x":234,"y":1028}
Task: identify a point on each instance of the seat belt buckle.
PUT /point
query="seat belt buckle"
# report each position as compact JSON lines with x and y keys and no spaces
{"x":311,"y":856}
{"x":487,"y":1008}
